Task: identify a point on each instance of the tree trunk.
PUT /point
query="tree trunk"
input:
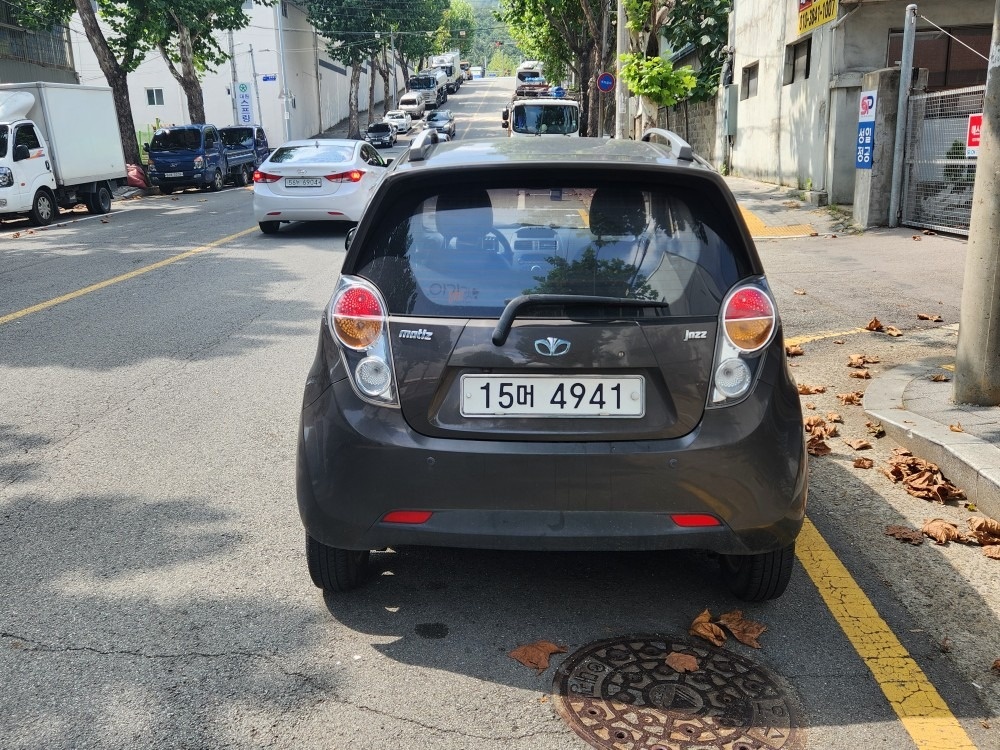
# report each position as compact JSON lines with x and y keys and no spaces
{"x":371,"y":90}
{"x":353,"y":129}
{"x":187,"y":76}
{"x":385,"y":71}
{"x":116,"y":78}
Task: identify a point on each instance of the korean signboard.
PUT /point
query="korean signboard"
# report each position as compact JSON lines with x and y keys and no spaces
{"x":244,"y":104}
{"x":973,"y":135}
{"x":814,"y":13}
{"x":866,"y":129}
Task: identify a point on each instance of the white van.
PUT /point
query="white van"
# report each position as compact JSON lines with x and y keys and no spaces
{"x":413,"y":103}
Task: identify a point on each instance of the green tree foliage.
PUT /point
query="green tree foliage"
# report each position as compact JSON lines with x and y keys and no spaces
{"x":656,"y":79}
{"x":459,"y":23}
{"x":705,"y":24}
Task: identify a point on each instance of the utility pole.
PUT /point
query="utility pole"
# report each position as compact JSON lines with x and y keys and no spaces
{"x":905,"y":82}
{"x":392,"y":65}
{"x":278,"y":10}
{"x":232,"y":89}
{"x":977,"y":366}
{"x":621,"y":93}
{"x":256,"y":88}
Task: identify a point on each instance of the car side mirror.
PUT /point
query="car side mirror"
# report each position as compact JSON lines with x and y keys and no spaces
{"x":21,"y":152}
{"x":505,"y":114}
{"x":505,"y":123}
{"x":388,"y":162}
{"x":145,"y":147}
{"x":349,"y":237}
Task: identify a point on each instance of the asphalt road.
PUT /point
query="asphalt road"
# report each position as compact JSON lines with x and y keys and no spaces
{"x":153,"y":581}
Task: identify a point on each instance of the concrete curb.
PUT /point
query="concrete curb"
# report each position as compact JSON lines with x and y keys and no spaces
{"x":971,"y":463}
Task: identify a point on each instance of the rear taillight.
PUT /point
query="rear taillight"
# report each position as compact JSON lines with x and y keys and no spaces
{"x":259,"y":176}
{"x":749,"y":321}
{"x":353,"y":175}
{"x":357,"y":318}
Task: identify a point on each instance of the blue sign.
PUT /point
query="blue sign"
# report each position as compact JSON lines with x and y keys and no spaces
{"x":866,"y":143}
{"x":606,"y":82}
{"x":269,"y":77}
{"x":558,"y":92}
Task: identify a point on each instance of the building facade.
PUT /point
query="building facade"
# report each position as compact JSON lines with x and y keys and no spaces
{"x":27,"y":55}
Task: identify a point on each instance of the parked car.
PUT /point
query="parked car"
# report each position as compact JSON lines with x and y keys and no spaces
{"x":321,"y":179}
{"x":193,"y":156}
{"x":381,"y":134}
{"x":443,"y":121}
{"x":413,"y":103}
{"x":247,"y":136}
{"x":400,"y":119}
{"x":497,"y":369}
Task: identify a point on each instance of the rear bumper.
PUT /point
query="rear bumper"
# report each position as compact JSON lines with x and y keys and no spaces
{"x":745,"y":464}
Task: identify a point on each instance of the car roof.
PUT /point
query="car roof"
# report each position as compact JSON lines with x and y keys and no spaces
{"x":322,"y":142}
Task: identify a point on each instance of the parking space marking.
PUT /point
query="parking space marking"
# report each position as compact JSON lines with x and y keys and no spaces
{"x":921,"y":709}
{"x":820,"y":335}
{"x":118,"y":279}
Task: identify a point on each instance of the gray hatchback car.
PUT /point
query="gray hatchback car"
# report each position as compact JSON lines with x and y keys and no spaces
{"x":552,"y":344}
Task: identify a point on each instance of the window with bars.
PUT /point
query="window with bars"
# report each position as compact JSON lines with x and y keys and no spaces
{"x":950,"y":63}
{"x":797,"y":58}
{"x":748,"y":82}
{"x":42,"y":47}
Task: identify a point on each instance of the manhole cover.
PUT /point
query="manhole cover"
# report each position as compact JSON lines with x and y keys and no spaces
{"x":621,"y":694}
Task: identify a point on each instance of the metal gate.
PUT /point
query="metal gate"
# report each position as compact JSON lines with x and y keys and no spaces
{"x":938,"y":176}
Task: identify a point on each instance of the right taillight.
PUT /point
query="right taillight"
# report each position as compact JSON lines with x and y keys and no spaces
{"x":259,"y":176}
{"x":749,"y":321}
{"x":748,"y":318}
{"x":357,"y":318}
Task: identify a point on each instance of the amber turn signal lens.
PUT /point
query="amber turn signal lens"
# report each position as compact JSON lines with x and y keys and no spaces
{"x":749,"y":318}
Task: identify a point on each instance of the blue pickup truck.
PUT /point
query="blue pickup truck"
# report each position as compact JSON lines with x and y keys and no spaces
{"x":242,"y":137}
{"x":196,"y":156}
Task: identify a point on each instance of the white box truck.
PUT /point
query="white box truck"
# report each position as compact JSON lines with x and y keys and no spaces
{"x":59,"y":146}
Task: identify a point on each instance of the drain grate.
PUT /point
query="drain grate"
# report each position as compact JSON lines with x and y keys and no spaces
{"x":621,"y":694}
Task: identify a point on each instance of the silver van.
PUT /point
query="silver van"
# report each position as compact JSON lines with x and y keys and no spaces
{"x":413,"y":103}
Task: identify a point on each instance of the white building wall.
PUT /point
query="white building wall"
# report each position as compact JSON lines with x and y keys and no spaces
{"x":318,"y":86}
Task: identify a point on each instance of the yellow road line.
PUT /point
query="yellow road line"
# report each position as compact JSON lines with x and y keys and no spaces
{"x":759,"y":229}
{"x":820,"y":335}
{"x":117,"y":279}
{"x":919,"y":706}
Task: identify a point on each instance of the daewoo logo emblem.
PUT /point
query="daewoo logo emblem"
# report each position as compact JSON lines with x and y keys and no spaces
{"x":551,"y":347}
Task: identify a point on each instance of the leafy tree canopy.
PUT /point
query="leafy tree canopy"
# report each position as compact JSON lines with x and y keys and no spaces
{"x":656,"y":79}
{"x":705,"y":24}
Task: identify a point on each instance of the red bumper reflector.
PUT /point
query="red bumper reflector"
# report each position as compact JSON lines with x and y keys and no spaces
{"x":407,"y":516}
{"x":689,"y":520}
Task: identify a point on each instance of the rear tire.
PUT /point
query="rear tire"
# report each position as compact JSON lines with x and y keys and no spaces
{"x":269,"y":227}
{"x":758,"y":578}
{"x":243,"y":176}
{"x":43,"y":208}
{"x":99,"y":202}
{"x":333,"y":569}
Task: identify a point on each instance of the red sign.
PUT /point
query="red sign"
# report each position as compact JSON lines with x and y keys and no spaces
{"x":973,"y":135}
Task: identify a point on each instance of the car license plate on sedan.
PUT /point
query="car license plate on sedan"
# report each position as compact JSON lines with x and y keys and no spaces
{"x":173,"y":174}
{"x":303,"y":182}
{"x":553,"y":396}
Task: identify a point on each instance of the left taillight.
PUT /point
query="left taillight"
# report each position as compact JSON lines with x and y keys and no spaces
{"x":352,"y":175}
{"x":259,"y":176}
{"x":357,"y":318}
{"x":749,"y":322}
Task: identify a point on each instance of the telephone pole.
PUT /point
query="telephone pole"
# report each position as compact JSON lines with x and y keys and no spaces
{"x":977,"y":367}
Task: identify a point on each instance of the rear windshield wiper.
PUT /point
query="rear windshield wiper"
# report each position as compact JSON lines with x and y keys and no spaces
{"x":510,"y":312}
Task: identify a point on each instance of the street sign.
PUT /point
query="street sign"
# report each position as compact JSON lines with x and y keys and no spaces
{"x":606,"y":82}
{"x":973,"y":135}
{"x":558,"y":92}
{"x":269,"y":77}
{"x":244,"y":103}
{"x":866,"y":129}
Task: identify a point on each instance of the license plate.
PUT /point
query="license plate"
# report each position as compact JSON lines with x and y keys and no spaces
{"x":553,"y":396}
{"x":303,"y":182}
{"x":173,"y":174}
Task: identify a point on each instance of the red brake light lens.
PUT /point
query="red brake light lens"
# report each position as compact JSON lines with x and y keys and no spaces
{"x":749,"y":318}
{"x":259,"y":176}
{"x":353,"y":175}
{"x":695,"y":520}
{"x":358,"y":317}
{"x":407,"y":516}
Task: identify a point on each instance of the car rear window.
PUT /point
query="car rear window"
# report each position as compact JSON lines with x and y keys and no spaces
{"x":176,"y":138}
{"x":307,"y":154}
{"x":237,"y":137}
{"x":467,"y":251}
{"x":379,"y":127}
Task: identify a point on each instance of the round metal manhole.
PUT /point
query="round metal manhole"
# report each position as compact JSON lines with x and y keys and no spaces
{"x":621,"y":694}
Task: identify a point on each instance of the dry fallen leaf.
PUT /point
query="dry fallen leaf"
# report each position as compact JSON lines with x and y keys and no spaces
{"x":893,"y":331}
{"x":16,"y":235}
{"x":794,"y":350}
{"x":917,"y":237}
{"x":745,"y":631}
{"x":703,"y":627}
{"x":863,"y":463}
{"x":536,"y":655}
{"x":971,"y":507}
{"x":931,"y":317}
{"x":957,"y":427}
{"x":874,"y":325}
{"x":809,"y":405}
{"x":939,"y":378}
{"x":105,"y":221}
{"x":875,"y":429}
{"x":986,"y":530}
{"x":812,"y":422}
{"x":851,"y":398}
{"x":944,"y":646}
{"x":939,"y":530}
{"x":858,"y":444}
{"x":992,"y":551}
{"x":817,"y":447}
{"x":832,"y":416}
{"x":809,"y":390}
{"x":860,"y":360}
{"x":996,"y":665}
{"x":838,"y":342}
{"x":929,"y":233}
{"x":905,"y":534}
{"x":682,"y":662}
{"x":861,"y":374}
{"x":543,"y":699}
{"x":799,"y":291}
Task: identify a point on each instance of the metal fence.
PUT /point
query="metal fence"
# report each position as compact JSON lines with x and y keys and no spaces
{"x":938,"y":176}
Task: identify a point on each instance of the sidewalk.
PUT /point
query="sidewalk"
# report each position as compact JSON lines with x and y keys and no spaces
{"x":916,"y":411}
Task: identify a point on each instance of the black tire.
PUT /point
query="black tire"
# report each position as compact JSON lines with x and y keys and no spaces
{"x":166,"y":189}
{"x":758,"y":578}
{"x":333,"y":569}
{"x":99,"y":202}
{"x":269,"y":227}
{"x":243,"y":176}
{"x":43,"y":208}
{"x":217,"y":181}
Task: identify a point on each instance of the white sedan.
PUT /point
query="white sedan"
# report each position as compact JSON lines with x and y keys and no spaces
{"x":316,"y":180}
{"x":400,"y":119}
